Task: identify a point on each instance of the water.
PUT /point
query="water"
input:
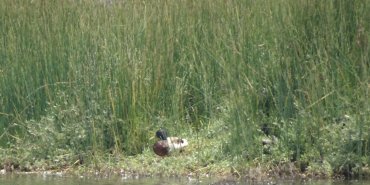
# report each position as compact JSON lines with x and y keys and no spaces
{"x":72,"y":180}
{"x":14,"y":179}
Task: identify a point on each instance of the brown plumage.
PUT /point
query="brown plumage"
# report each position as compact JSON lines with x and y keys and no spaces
{"x":161,"y":148}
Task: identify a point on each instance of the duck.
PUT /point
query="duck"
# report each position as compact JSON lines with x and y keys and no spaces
{"x":166,"y":145}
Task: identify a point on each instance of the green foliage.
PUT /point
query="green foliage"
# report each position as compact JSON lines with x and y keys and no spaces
{"x":90,"y":77}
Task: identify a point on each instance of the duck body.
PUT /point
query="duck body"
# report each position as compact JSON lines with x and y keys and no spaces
{"x":167,"y":145}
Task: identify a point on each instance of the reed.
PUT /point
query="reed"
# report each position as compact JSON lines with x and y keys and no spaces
{"x":84,"y":77}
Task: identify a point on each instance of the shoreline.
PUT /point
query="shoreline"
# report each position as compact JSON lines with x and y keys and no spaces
{"x":252,"y":174}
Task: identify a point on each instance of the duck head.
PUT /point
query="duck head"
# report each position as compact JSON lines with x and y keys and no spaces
{"x":161,"y":134}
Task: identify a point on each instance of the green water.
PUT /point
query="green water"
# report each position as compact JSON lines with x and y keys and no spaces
{"x":63,"y":180}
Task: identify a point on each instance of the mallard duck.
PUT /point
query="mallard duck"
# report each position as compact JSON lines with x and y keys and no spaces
{"x":167,"y":145}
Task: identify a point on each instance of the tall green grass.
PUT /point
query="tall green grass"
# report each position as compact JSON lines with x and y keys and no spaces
{"x":98,"y":76}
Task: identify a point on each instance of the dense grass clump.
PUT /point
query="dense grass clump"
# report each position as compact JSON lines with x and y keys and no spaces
{"x":253,"y":84}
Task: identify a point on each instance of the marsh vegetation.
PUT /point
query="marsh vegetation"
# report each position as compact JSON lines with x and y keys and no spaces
{"x":276,"y":87}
